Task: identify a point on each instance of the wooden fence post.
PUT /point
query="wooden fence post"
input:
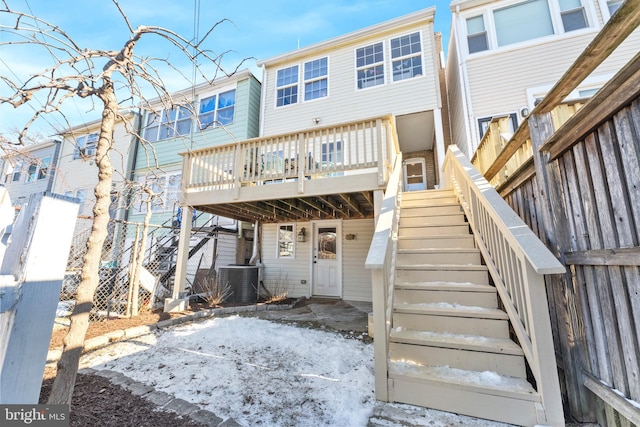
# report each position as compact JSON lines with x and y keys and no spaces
{"x":561,"y":287}
{"x":32,"y":275}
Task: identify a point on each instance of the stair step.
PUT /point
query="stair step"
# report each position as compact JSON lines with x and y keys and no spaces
{"x":419,"y":221}
{"x":428,"y":202}
{"x":464,"y":256}
{"x":433,"y":292}
{"x":439,"y":209}
{"x":470,"y":352}
{"x":427,"y":194}
{"x":451,"y":318}
{"x":451,"y":310}
{"x":450,"y":241}
{"x":480,"y":394}
{"x":435,"y":230}
{"x":442,"y":273}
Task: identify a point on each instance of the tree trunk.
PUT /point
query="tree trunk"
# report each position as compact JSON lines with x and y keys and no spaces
{"x":64,"y":383}
{"x":135,"y":304}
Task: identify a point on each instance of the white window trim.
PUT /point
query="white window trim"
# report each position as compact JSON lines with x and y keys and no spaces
{"x":385,"y":67}
{"x":205,"y":95}
{"x":556,"y":22}
{"x":275,"y":97}
{"x":304,"y":82}
{"x":588,"y":83}
{"x":294,"y":239}
{"x":391,"y":59}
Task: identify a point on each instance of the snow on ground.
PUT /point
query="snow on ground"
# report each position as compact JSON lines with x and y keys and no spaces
{"x":262,"y":373}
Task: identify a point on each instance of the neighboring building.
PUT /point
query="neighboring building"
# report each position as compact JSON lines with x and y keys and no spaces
{"x":504,"y":55}
{"x":207,"y":115}
{"x":28,"y":170}
{"x":313,"y":181}
{"x":77,"y":173}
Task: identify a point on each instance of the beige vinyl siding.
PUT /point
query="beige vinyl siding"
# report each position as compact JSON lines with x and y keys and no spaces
{"x":20,"y":191}
{"x":253,"y":108}
{"x":76,"y":174}
{"x":356,"y":279}
{"x":498,"y":82}
{"x":356,"y":285}
{"x":293,"y":270}
{"x":344,"y":101}
{"x":456,"y":98}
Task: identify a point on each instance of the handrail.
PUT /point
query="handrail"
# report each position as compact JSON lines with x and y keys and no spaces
{"x":381,"y":262}
{"x":517,"y":261}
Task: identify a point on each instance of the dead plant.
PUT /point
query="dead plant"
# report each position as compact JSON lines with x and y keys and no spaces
{"x":213,"y":292}
{"x":278,"y":288}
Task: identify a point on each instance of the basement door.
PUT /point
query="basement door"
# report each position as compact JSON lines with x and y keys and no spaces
{"x":327,"y":258}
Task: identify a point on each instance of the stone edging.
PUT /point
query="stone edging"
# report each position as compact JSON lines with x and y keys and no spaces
{"x":163,"y":400}
{"x":136,"y":331}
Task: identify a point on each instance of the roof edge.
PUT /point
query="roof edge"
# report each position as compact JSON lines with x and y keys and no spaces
{"x":420,"y":15}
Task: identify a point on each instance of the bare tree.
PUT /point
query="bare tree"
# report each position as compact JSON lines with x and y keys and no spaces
{"x":105,"y":76}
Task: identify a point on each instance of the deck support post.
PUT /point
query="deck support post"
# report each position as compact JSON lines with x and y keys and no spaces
{"x":178,"y":302}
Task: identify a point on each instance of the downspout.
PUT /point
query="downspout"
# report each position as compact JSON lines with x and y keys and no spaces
{"x":255,"y":255}
{"x":54,"y":164}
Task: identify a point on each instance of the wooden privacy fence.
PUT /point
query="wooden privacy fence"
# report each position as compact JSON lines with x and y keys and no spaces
{"x":580,"y":192}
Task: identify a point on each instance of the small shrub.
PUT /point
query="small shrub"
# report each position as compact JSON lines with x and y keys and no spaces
{"x":278,"y":288}
{"x":215,"y":293}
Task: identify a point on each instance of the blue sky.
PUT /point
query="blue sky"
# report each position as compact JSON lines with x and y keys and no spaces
{"x":257,"y":28}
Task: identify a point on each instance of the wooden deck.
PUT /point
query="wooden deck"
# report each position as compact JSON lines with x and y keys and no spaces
{"x":328,"y":172}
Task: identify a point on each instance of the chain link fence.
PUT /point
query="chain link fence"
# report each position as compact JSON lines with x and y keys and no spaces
{"x":113,"y":296}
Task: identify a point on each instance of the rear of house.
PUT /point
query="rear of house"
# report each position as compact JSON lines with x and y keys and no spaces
{"x":334,"y":117}
{"x":504,"y":56}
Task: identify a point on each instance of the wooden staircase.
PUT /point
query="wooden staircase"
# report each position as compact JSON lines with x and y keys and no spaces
{"x":450,"y":345}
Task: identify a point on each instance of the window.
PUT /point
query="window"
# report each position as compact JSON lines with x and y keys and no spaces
{"x":287,"y":86}
{"x":168,"y":124}
{"x":217,"y":110}
{"x":17,"y":170}
{"x":406,"y":57}
{"x":332,"y":152}
{"x":523,"y":21}
{"x":44,"y":167}
{"x":370,"y":66}
{"x":572,"y":13}
{"x":32,"y":172}
{"x":483,"y":123}
{"x":166,"y":188}
{"x":315,"y":79}
{"x":85,"y":146}
{"x":614,"y":5}
{"x":286,"y":240}
{"x":476,"y":34}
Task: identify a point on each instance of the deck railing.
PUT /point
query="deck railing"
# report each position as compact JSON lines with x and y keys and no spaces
{"x":491,"y":156}
{"x":321,"y":152}
{"x":381,"y":261}
{"x":517,"y":261}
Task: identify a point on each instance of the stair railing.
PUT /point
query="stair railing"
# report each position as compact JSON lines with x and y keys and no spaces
{"x":517,"y":261}
{"x":381,"y":262}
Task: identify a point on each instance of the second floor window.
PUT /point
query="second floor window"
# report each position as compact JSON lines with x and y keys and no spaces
{"x":217,"y":110}
{"x":85,"y":146}
{"x":168,"y":124}
{"x":370,"y":66}
{"x":17,"y":170}
{"x":614,"y":5}
{"x":315,"y":79}
{"x":572,"y":13}
{"x":287,"y":86}
{"x":32,"y":172}
{"x":523,"y":21}
{"x":406,"y":56}
{"x":43,"y":170}
{"x":476,"y":34}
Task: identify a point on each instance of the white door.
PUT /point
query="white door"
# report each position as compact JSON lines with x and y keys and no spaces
{"x":415,"y":176}
{"x":327,"y":259}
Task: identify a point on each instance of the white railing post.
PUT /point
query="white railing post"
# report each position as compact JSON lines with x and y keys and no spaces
{"x":237,"y":170}
{"x":302,"y":162}
{"x":378,"y":142}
